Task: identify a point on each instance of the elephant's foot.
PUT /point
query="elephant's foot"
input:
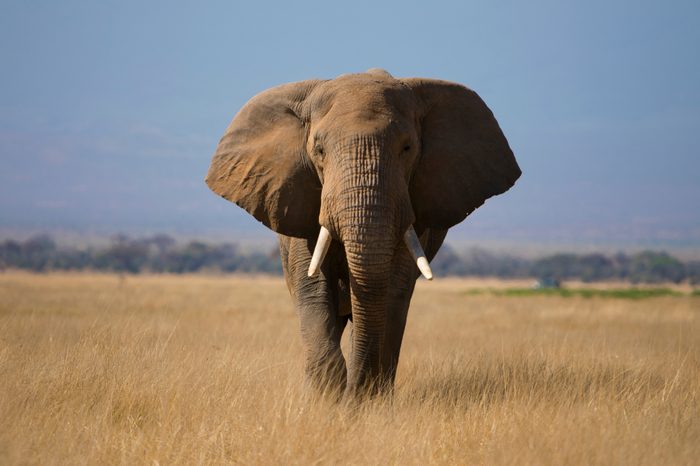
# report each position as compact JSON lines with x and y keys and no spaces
{"x":365,"y":385}
{"x":327,"y":375}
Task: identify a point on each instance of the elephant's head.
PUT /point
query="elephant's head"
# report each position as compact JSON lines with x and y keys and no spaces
{"x":365,"y":157}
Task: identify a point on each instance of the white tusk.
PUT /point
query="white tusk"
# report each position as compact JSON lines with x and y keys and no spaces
{"x":322,"y":245}
{"x":414,"y":247}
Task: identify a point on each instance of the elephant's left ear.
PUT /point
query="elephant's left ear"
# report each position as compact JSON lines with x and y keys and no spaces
{"x":465,"y":158}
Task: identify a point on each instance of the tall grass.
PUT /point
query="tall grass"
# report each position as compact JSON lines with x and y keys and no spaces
{"x":98,"y":369}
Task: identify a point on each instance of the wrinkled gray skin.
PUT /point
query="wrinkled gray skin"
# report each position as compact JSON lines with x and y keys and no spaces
{"x":366,"y":156}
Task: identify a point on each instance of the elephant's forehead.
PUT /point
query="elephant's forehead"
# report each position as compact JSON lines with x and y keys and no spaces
{"x":365,"y":95}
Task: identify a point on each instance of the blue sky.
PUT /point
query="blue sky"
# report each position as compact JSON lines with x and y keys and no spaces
{"x":110,"y":111}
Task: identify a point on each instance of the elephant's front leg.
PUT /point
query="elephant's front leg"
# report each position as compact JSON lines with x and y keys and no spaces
{"x":316,"y":302}
{"x":403,"y":281}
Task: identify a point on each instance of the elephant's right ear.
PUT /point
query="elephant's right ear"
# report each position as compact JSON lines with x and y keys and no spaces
{"x":260,"y":163}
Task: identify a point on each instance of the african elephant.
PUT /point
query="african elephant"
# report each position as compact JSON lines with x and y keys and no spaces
{"x":382,"y":167}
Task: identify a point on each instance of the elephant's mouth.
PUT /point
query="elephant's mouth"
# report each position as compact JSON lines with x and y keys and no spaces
{"x":410,"y":239}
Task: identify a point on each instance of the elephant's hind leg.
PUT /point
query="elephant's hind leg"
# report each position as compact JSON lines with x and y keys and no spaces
{"x":320,"y":323}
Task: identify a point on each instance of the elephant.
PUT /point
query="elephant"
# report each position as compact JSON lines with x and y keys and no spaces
{"x":360,"y":176}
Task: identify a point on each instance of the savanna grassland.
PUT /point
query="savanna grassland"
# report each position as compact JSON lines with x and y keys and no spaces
{"x":102,"y":369}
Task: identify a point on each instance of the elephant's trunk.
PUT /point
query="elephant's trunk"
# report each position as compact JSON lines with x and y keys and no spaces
{"x":369,"y":265}
{"x":369,"y":211}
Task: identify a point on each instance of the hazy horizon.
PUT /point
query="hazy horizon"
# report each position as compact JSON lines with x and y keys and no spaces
{"x":109,"y":115}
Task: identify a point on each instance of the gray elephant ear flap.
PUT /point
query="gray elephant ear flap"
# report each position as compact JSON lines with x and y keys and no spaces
{"x":260,"y":162}
{"x":465,"y":158}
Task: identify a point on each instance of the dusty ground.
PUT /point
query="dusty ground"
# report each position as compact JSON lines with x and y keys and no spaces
{"x":98,"y":369}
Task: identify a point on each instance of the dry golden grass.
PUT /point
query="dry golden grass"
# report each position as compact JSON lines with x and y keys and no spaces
{"x":97,"y":369}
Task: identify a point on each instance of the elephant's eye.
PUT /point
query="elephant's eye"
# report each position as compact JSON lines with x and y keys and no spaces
{"x":319,"y":151}
{"x":407,"y":148}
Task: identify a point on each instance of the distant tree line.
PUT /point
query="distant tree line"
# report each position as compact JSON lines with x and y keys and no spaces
{"x":642,"y":267}
{"x":162,"y":254}
{"x":157,"y":254}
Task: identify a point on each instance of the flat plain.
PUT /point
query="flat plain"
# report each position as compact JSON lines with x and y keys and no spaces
{"x":146,"y":369}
